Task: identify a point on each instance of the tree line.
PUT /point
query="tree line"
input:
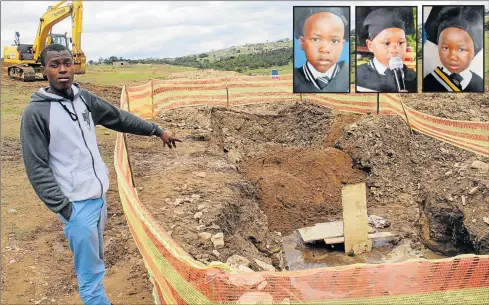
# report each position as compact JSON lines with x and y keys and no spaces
{"x":238,"y":62}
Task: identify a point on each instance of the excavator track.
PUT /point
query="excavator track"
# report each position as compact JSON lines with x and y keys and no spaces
{"x":23,"y":73}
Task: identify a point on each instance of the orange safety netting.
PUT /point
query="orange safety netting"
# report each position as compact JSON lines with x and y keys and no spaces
{"x":179,"y":279}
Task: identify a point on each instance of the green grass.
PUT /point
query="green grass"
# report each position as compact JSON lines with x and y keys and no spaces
{"x":134,"y":74}
{"x":13,"y":104}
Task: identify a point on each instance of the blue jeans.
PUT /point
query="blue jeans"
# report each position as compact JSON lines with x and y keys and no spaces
{"x":84,"y":232}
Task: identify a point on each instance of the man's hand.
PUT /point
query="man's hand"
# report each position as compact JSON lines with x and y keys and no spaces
{"x":167,"y":140}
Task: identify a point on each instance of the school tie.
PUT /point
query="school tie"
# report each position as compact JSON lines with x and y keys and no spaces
{"x":323,"y":81}
{"x":456,"y":78}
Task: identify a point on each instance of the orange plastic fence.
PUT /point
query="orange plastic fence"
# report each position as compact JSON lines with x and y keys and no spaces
{"x":179,"y":279}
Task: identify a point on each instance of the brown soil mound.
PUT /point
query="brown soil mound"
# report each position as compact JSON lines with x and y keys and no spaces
{"x":299,"y":186}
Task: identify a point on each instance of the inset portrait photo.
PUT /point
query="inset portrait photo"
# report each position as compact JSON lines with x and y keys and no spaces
{"x":321,"y":49}
{"x":453,"y":48}
{"x":386,"y":49}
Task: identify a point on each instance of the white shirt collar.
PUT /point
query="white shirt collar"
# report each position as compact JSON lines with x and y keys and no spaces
{"x":466,"y":74}
{"x":379,"y":66}
{"x":316,"y":73}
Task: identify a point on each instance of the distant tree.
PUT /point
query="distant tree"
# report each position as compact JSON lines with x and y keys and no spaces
{"x":91,"y":62}
{"x":100,"y":60}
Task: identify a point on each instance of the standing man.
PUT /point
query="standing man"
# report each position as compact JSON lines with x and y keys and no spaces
{"x":386,"y":39}
{"x":63,"y":162}
{"x":322,"y":32}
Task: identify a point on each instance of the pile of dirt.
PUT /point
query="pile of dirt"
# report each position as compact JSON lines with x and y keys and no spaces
{"x":464,"y":106}
{"x":301,"y":187}
{"x":437,"y":186}
{"x":244,"y":135}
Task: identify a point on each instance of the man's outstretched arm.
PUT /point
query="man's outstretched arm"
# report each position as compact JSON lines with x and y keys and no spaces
{"x":109,"y":116}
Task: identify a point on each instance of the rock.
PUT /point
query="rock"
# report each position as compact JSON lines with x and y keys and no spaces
{"x":378,"y":222}
{"x":204,"y":236}
{"x":195,"y":126}
{"x":198,"y":215}
{"x":486,"y":220}
{"x":450,"y":198}
{"x":178,"y":201}
{"x":215,"y":227}
{"x":473,"y":190}
{"x":216,"y":253}
{"x":265,"y":266}
{"x":262,"y":286}
{"x":12,"y":261}
{"x":448,"y":173}
{"x":463,"y":200}
{"x":250,"y":279}
{"x":195,"y":196}
{"x":201,"y":174}
{"x":245,"y":269}
{"x":201,"y":206}
{"x":53,"y":301}
{"x":12,"y":211}
{"x":482,"y":166}
{"x":474,"y":220}
{"x":106,"y":133}
{"x":218,"y":240}
{"x":238,"y":260}
{"x":200,"y":227}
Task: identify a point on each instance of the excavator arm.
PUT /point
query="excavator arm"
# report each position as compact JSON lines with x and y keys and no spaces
{"x":56,"y":14}
{"x":77,"y":21}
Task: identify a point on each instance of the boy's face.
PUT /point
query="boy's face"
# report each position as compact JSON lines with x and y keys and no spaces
{"x":323,"y":40}
{"x":389,"y":43}
{"x":59,"y":70}
{"x":456,"y":49}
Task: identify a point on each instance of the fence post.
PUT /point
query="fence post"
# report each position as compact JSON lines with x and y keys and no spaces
{"x":301,"y":96}
{"x":378,"y":103}
{"x":227,"y":96}
{"x":128,"y":101}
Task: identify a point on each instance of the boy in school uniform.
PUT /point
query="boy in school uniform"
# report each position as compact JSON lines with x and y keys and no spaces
{"x":458,"y":32}
{"x":386,"y":39}
{"x":322,"y":32}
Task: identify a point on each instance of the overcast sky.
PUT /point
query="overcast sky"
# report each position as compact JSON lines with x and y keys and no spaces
{"x":168,"y":29}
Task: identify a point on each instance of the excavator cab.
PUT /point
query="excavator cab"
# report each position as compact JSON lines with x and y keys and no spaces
{"x":59,"y":39}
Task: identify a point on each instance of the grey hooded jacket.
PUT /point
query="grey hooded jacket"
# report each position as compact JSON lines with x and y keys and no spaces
{"x":59,"y":145}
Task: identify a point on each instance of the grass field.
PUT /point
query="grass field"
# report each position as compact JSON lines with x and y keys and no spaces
{"x":109,"y":75}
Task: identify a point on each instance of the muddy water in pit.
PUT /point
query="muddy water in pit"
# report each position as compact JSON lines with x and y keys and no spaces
{"x":301,"y":256}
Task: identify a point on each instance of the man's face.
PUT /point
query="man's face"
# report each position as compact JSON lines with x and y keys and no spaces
{"x":59,"y":70}
{"x":389,"y":43}
{"x":456,"y":49}
{"x":323,"y":40}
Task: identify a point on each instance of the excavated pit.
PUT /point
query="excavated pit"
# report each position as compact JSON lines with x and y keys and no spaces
{"x":257,"y":173}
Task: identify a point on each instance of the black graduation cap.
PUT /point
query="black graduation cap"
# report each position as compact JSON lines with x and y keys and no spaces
{"x":302,"y":13}
{"x":372,"y":21}
{"x":468,"y":18}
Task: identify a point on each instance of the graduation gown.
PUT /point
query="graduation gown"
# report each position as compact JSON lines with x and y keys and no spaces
{"x":339,"y":83}
{"x":432,"y":84}
{"x":368,"y":77}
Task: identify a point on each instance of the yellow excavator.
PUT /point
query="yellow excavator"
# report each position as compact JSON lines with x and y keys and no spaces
{"x":24,"y":58}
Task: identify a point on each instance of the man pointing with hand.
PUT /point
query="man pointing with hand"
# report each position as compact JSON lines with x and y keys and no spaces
{"x":64,"y":165}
